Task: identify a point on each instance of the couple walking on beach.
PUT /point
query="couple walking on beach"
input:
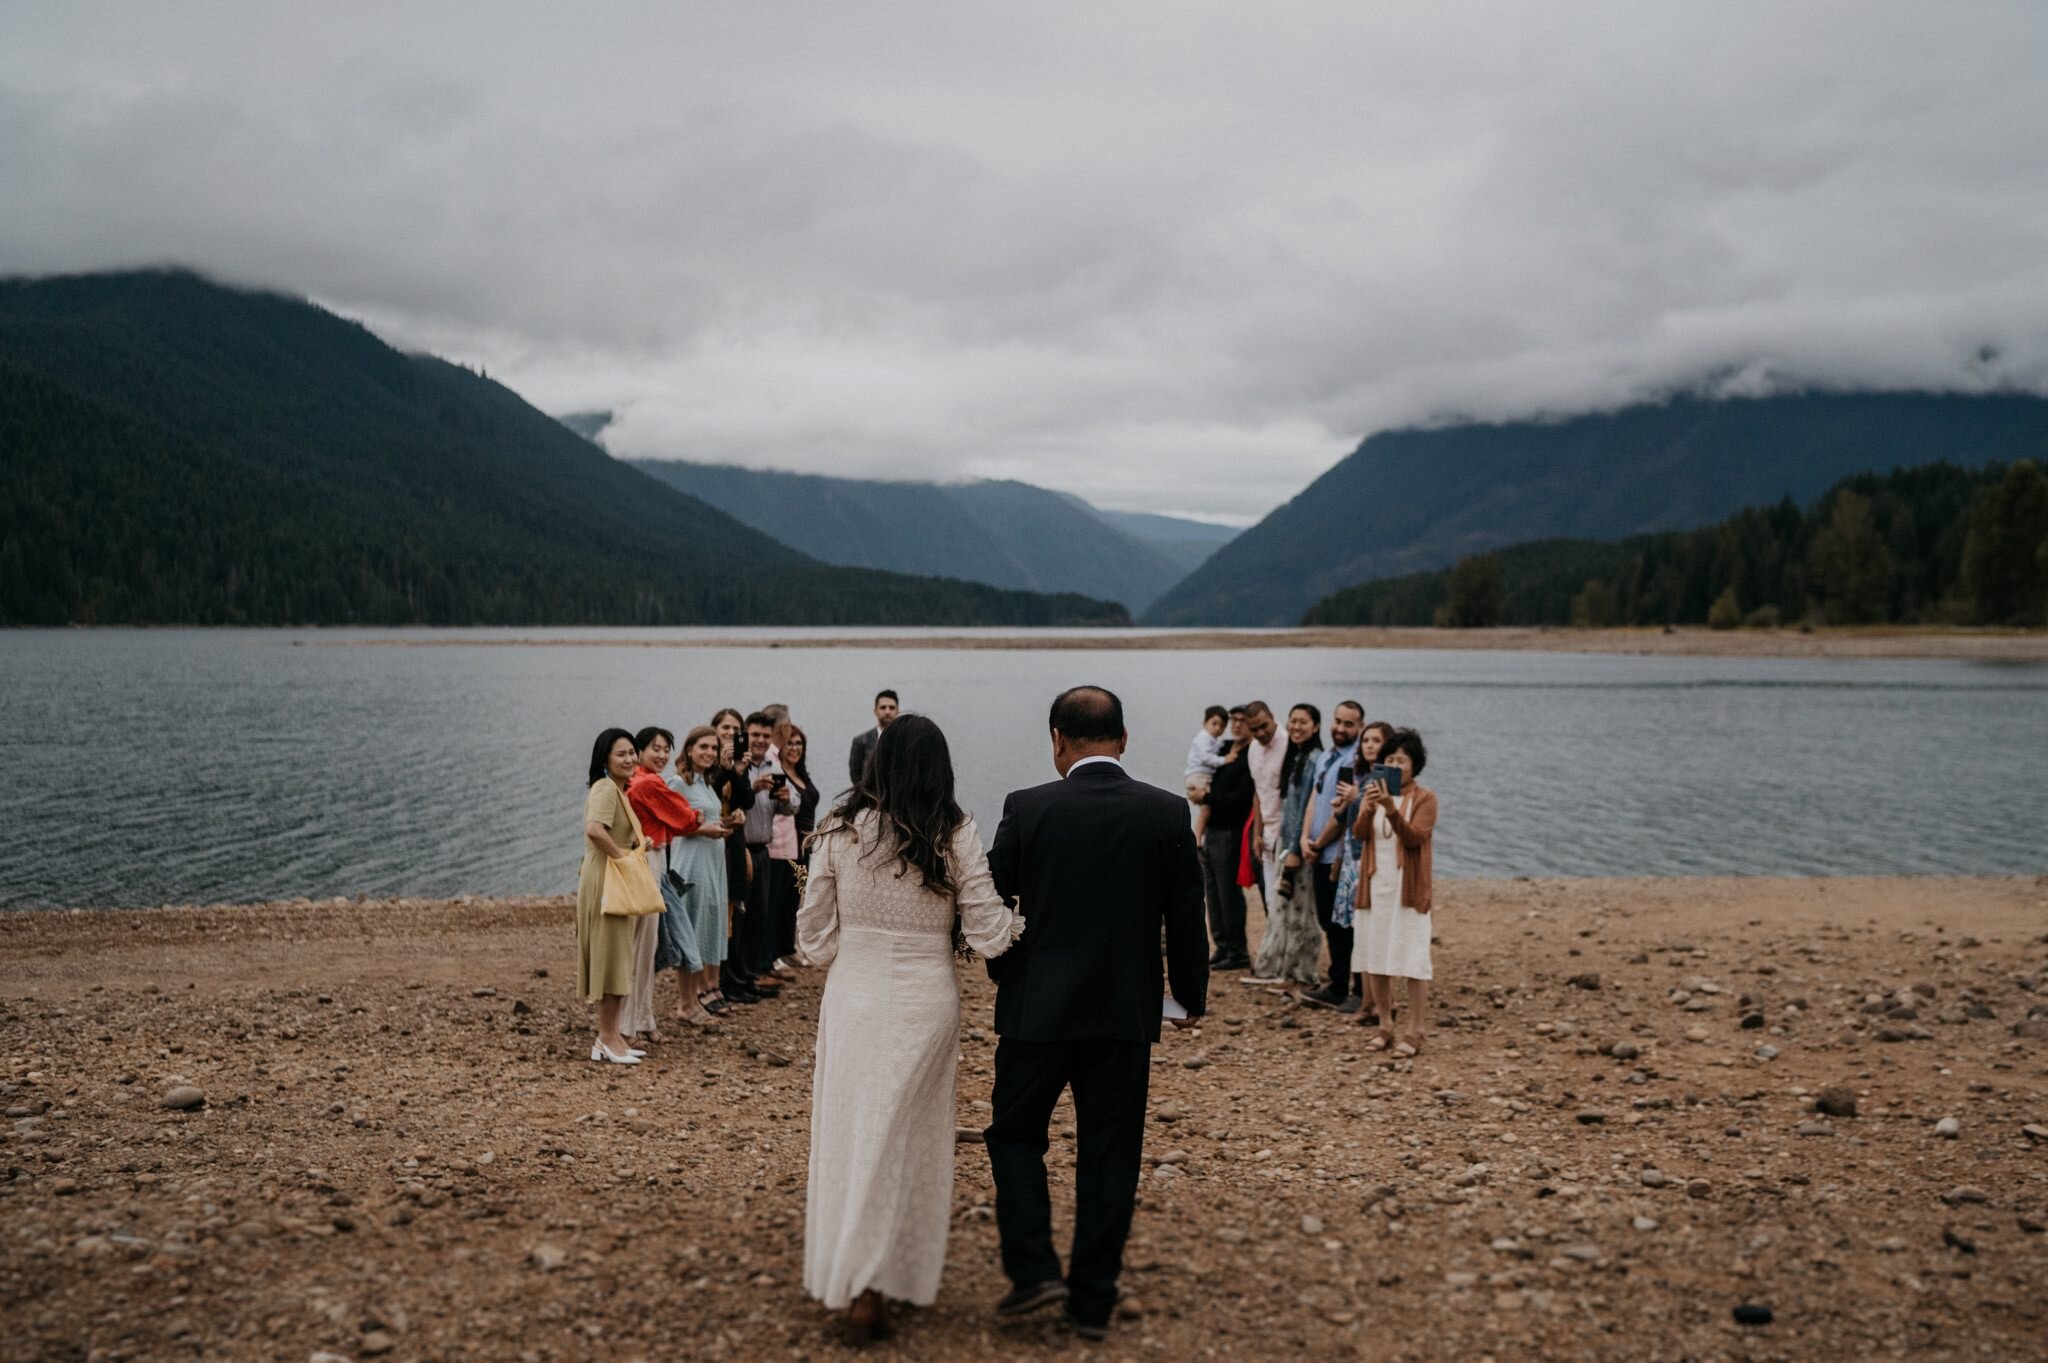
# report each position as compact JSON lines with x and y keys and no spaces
{"x":1068,"y":906}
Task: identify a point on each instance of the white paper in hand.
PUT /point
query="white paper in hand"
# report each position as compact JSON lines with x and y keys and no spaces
{"x":1169,"y":1007}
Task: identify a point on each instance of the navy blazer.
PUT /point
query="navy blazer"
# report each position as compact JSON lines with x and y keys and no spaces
{"x":1102,"y":866}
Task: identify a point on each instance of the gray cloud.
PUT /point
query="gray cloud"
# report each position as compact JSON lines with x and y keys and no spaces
{"x":1173,"y":258}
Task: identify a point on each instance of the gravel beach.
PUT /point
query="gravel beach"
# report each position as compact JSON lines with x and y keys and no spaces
{"x":1657,"y":1120}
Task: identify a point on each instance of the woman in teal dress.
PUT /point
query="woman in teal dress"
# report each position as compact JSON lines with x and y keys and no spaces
{"x":699,"y":858}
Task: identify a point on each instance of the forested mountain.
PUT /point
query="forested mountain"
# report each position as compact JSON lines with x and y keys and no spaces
{"x":175,"y":451}
{"x":1933,"y":544}
{"x":1005,"y":533}
{"x":1407,"y":501}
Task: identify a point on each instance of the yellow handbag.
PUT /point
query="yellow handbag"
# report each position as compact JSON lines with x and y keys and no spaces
{"x":629,"y":888}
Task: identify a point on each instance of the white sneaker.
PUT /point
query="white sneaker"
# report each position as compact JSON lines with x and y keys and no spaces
{"x":600,"y":1052}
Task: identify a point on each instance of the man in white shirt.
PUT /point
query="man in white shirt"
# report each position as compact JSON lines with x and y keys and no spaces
{"x":1267,"y":754}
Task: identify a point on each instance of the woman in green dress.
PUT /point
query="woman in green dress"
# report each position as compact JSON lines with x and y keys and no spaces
{"x":604,"y":945}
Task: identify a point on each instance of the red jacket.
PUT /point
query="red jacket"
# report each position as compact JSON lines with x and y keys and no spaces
{"x":664,"y":813}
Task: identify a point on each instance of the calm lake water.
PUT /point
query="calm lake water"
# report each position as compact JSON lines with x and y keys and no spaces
{"x":176,"y":766}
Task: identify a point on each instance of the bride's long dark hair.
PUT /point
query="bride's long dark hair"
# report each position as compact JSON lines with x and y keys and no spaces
{"x":909,"y":785}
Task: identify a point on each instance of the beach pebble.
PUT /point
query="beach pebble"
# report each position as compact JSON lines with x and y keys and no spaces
{"x":1652,"y":1178}
{"x":1588,"y":980}
{"x":1699,"y":1188}
{"x":1624,"y":1050}
{"x":547,"y":1258}
{"x":1311,"y":1225}
{"x":1645,"y":1223}
{"x":1815,"y":1129}
{"x":1836,"y":1102}
{"x":1767,"y":1052}
{"x":1948,"y":1128}
{"x":1752,"y":1022}
{"x":183,"y":1098}
{"x":376,"y":1342}
{"x":1965,"y":1196}
{"x":1751,"y":1313}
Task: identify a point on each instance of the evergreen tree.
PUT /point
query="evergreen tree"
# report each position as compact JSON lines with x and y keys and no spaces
{"x":2003,"y":553}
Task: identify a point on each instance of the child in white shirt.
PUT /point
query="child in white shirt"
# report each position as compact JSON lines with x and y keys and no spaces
{"x":1205,"y":754}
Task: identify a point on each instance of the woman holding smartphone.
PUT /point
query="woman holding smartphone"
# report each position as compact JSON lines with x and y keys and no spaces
{"x":1372,"y":740}
{"x":1393,"y":898}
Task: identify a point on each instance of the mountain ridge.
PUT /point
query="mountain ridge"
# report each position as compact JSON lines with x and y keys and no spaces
{"x":188,"y":452}
{"x":998,"y":531}
{"x":1416,"y":500}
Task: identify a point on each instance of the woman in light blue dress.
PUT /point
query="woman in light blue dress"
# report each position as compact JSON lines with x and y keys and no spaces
{"x":699,"y":860}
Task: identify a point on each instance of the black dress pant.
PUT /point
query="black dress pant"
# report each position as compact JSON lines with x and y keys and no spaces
{"x":1336,"y":934}
{"x":1110,"y":1080}
{"x":782,"y":896}
{"x":1225,"y":895}
{"x":753,"y":935}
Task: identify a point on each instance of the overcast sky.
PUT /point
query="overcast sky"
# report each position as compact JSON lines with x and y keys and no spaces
{"x":1173,"y":257}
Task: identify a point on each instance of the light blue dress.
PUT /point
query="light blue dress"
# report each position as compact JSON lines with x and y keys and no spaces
{"x":701,"y":862}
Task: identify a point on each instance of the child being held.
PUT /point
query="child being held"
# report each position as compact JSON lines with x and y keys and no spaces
{"x":1205,"y":754}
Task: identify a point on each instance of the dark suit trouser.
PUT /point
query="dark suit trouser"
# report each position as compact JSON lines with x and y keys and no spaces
{"x":1226,"y":896}
{"x":1335,"y":933}
{"x":753,"y":938}
{"x":1110,"y":1081}
{"x":782,"y":894}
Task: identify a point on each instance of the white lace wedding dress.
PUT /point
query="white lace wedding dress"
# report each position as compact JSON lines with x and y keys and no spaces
{"x":880,"y":1197}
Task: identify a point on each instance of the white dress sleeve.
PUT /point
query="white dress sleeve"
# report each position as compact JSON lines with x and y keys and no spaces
{"x":817,"y":920}
{"x":990,"y":926}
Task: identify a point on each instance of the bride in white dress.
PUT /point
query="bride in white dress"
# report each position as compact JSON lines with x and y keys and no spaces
{"x":898,"y":881}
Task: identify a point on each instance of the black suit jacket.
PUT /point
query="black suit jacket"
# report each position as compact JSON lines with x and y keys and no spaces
{"x":1101,"y":865}
{"x":863,"y":749}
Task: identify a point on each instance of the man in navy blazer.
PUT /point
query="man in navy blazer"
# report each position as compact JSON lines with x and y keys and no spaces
{"x":1103,"y":866}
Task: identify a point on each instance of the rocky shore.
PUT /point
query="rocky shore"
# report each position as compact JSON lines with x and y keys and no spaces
{"x":1657,"y":1120}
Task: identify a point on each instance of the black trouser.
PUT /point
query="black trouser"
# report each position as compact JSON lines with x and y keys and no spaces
{"x":753,"y":937}
{"x":782,"y":895}
{"x":1226,"y":896}
{"x":1335,"y":933}
{"x":1110,"y":1081}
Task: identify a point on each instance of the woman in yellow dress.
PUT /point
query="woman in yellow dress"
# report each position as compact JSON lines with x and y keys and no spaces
{"x":604,"y":945}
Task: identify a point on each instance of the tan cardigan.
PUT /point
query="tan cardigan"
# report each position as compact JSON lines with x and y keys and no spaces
{"x":1414,"y":821}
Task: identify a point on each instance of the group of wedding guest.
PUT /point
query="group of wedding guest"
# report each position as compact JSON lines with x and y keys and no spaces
{"x":1338,"y":841}
{"x":721,"y":817}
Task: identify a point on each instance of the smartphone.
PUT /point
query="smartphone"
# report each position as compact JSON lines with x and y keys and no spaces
{"x":1390,"y":777}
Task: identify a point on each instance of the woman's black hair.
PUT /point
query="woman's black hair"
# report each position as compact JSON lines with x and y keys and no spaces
{"x":601,"y":753}
{"x":1410,"y":742}
{"x":909,"y":785}
{"x":648,"y":735}
{"x":1298,"y":753}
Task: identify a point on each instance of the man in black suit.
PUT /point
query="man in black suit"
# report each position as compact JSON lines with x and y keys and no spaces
{"x":1101,"y":866}
{"x":863,"y":750}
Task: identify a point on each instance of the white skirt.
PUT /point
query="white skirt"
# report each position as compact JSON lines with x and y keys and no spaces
{"x":1390,"y":939}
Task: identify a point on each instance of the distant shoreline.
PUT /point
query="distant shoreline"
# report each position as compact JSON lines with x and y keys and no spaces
{"x":2029,"y":646}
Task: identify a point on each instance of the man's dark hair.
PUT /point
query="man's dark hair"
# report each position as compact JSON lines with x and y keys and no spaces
{"x":759,"y":720}
{"x":1236,"y":712}
{"x":881,"y":696}
{"x":1356,"y":705}
{"x":1215,"y":712}
{"x":1410,"y":742}
{"x":1089,"y":714}
{"x":1254,"y":708}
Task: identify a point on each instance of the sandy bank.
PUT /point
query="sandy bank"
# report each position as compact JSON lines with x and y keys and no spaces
{"x":403,"y":1153}
{"x":1981,"y":645}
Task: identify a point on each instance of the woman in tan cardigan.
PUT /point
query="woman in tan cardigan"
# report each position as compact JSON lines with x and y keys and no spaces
{"x":1392,"y":911}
